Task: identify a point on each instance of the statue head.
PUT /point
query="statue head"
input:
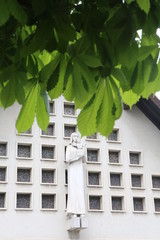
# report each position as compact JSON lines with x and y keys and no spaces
{"x":75,"y":138}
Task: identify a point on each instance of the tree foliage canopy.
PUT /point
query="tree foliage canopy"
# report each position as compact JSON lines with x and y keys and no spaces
{"x":90,"y":51}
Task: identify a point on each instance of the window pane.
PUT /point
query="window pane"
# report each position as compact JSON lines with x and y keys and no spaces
{"x":47,"y":152}
{"x":138,"y":204}
{"x":69,"y":109}
{"x":134,"y":158}
{"x":93,"y":178}
{"x":115,"y":179}
{"x":24,"y":151}
{"x":2,"y":174}
{"x":113,"y":136}
{"x":156,"y":182}
{"x":92,"y":155}
{"x":94,"y":202}
{"x":48,"y":201}
{"x":116,"y":203}
{"x":68,"y":130}
{"x":3,"y":149}
{"x":113,"y":157}
{"x":47,"y":176}
{"x":136,"y":181}
{"x":23,"y":200}
{"x":23,"y":175}
{"x":2,"y":200}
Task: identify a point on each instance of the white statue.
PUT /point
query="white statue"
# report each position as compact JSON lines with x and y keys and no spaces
{"x":75,"y":156}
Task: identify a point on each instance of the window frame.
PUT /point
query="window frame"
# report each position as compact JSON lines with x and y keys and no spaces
{"x":100,"y":178}
{"x":55,"y":176}
{"x":31,"y":176}
{"x":55,"y":152}
{"x":31,"y":201}
{"x":55,"y":201}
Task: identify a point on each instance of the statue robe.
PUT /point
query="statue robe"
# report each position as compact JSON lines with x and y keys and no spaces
{"x":76,"y":199}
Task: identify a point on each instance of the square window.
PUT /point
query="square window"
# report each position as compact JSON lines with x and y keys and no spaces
{"x":138,"y":204}
{"x":3,"y":149}
{"x":157,"y":204}
{"x":93,"y":155}
{"x":24,"y":151}
{"x":115,"y":179}
{"x":48,"y":201}
{"x":66,"y":177}
{"x":28,"y":132}
{"x":93,"y":137}
{"x":94,"y":178}
{"x":136,"y":180}
{"x":23,"y":175}
{"x":156,"y":182}
{"x":68,"y":130}
{"x":48,"y":152}
{"x":23,"y":201}
{"x":50,"y":130}
{"x":48,"y":176}
{"x":52,"y":107}
{"x":114,"y":136}
{"x":117,"y":203}
{"x":69,"y":109}
{"x":135,"y":158}
{"x":2,"y":200}
{"x":114,"y":157}
{"x":95,"y":203}
{"x":3,"y":174}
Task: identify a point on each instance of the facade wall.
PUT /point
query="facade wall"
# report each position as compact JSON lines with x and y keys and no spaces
{"x":120,"y":196}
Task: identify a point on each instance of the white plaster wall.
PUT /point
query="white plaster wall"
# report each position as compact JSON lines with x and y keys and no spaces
{"x":136,"y":133}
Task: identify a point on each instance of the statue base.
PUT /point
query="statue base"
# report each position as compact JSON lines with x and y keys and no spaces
{"x":76,"y":223}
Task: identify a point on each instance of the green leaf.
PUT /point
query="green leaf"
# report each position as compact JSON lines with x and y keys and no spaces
{"x":118,"y":75}
{"x":4,"y":13}
{"x":116,"y":100}
{"x":32,"y":65}
{"x":90,"y":61}
{"x":8,"y":93}
{"x":17,"y":11}
{"x":42,"y":119}
{"x":58,"y":89}
{"x":79,"y":90}
{"x":144,"y":52}
{"x":144,"y":5}
{"x":69,"y":91}
{"x":50,"y":68}
{"x":88,"y":115}
{"x":87,"y":75}
{"x":27,"y":113}
{"x":130,"y":98}
{"x":105,"y":119}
